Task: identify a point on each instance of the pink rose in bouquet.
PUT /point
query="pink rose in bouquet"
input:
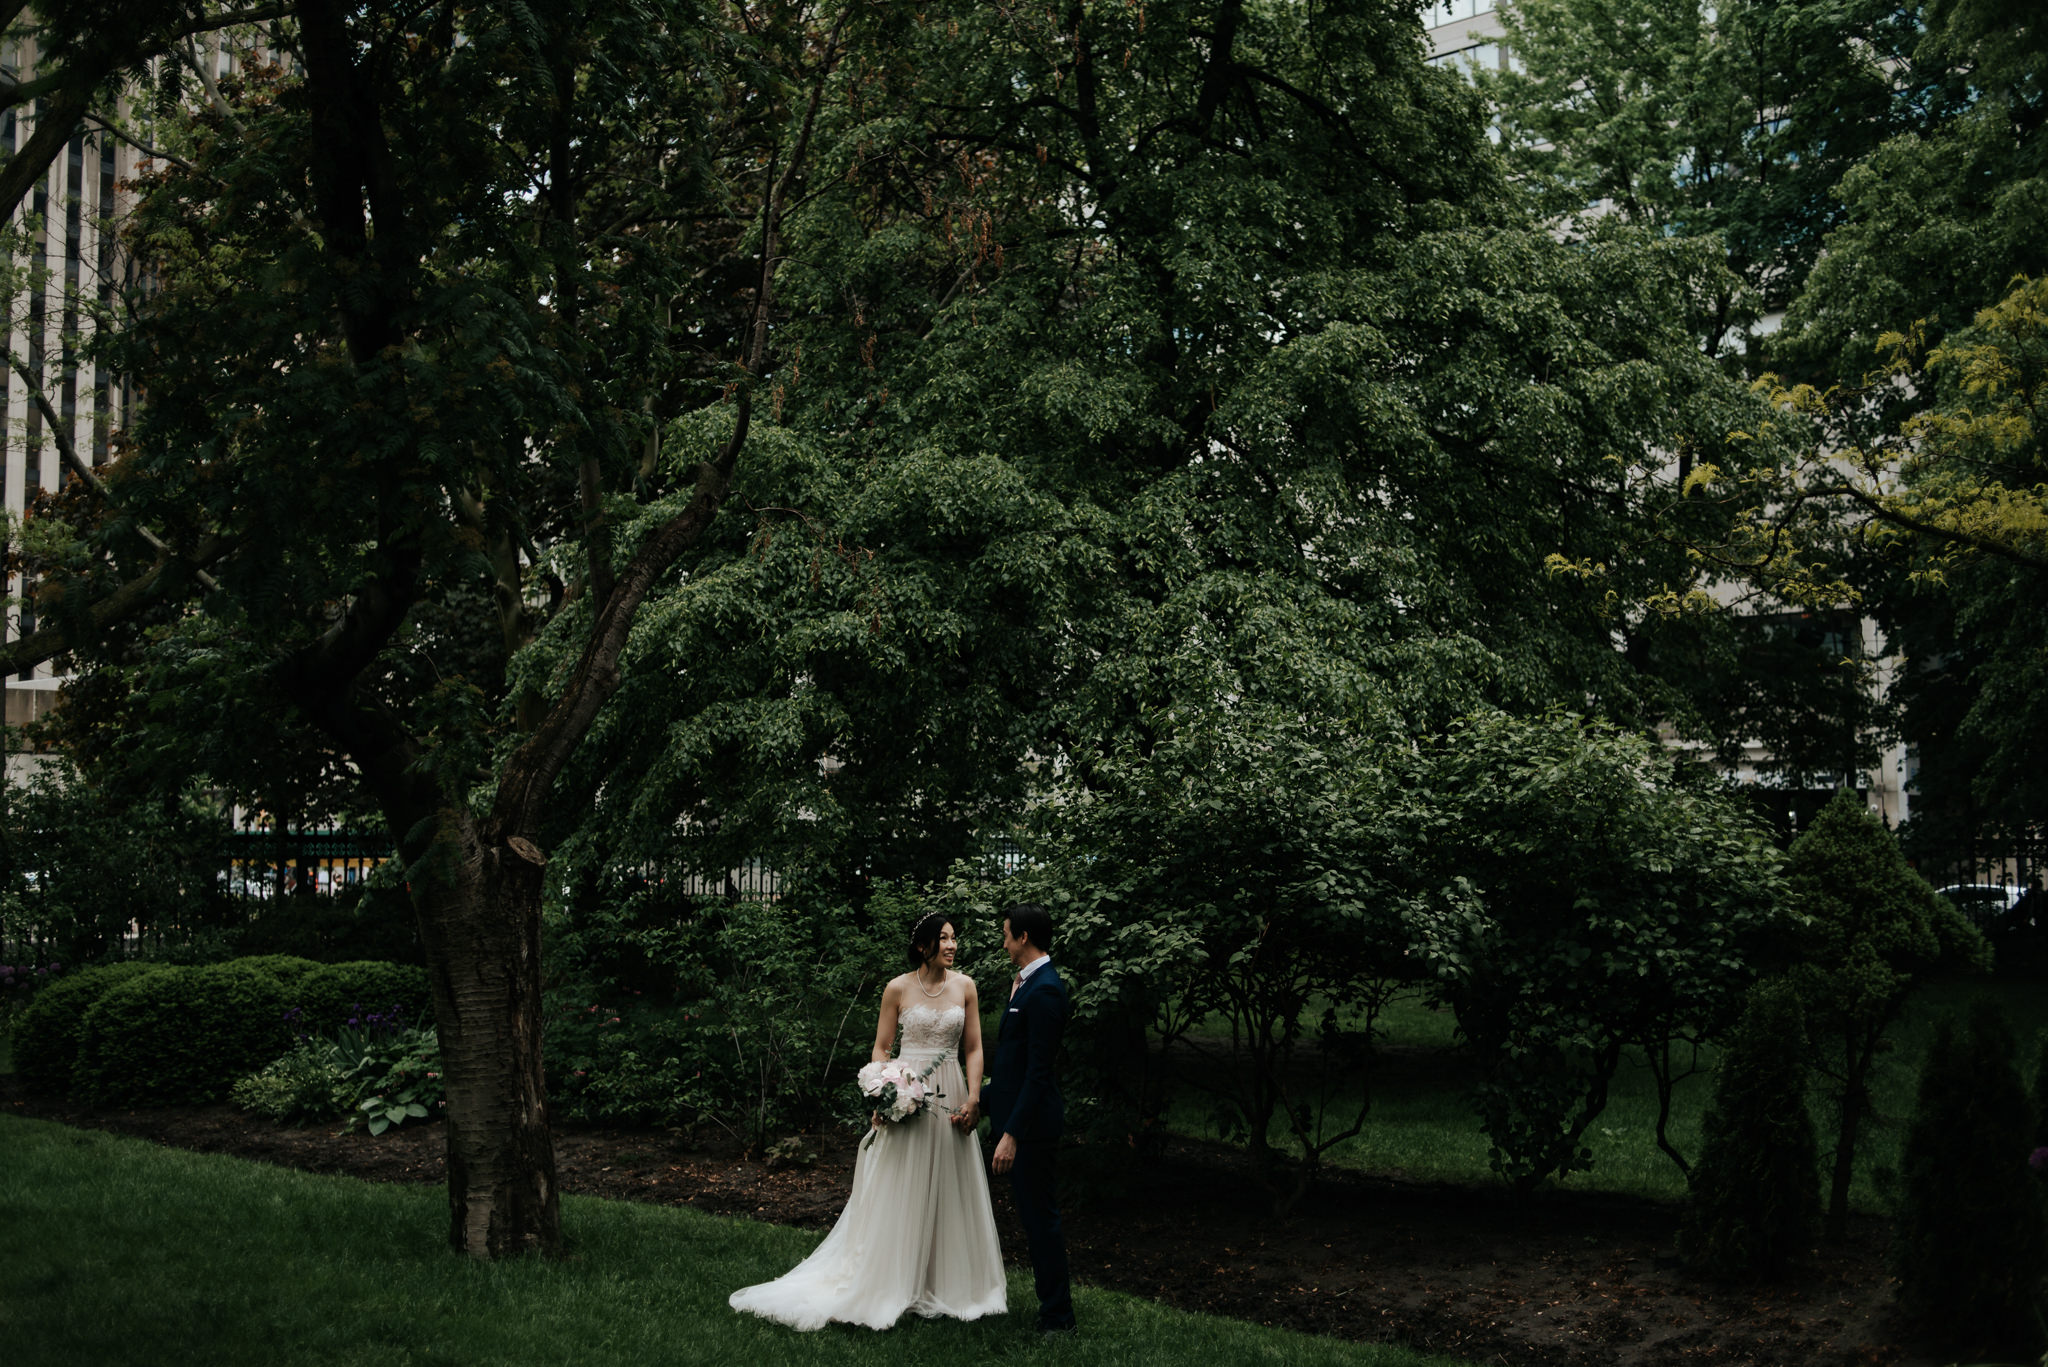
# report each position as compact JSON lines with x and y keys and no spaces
{"x":895,"y":1092}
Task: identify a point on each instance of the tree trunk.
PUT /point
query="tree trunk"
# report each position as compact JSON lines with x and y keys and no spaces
{"x":479,"y":915}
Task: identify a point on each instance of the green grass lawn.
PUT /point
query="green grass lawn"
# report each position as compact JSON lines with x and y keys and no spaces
{"x":118,"y":1252}
{"x":1423,"y":1127}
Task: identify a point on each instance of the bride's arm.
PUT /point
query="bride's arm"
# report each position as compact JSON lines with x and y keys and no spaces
{"x":885,"y":1023}
{"x":970,"y":1054}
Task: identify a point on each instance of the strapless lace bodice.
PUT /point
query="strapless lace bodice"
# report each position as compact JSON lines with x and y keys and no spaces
{"x":932,"y":1027}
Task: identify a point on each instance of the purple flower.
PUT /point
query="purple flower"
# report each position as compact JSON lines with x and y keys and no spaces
{"x":2038,"y":1159}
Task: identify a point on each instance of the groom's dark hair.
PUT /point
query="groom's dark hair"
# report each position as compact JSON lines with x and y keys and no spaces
{"x":1030,"y":921}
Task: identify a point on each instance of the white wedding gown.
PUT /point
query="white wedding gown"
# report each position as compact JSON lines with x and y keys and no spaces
{"x":917,"y":1233}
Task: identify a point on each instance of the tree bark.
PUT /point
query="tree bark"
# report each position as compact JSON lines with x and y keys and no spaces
{"x":1855,"y":1067}
{"x":479,"y":916}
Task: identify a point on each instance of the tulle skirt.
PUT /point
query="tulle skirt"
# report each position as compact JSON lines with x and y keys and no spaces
{"x":917,"y":1233}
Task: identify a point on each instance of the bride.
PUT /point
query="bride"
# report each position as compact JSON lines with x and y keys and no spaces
{"x":917,"y":1233}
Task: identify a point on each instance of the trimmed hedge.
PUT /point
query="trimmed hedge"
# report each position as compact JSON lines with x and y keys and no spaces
{"x":333,"y":993}
{"x":181,"y":1036}
{"x":288,"y":969}
{"x":47,"y":1034}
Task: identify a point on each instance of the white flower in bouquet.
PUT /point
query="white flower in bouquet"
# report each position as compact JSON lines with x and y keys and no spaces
{"x":894,"y":1091}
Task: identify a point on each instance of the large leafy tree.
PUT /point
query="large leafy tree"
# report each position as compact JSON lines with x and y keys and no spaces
{"x":421,"y":297}
{"x":1730,"y":121}
{"x":1931,"y":512}
{"x":1875,"y":171}
{"x":1936,"y":221}
{"x":1206,"y":371}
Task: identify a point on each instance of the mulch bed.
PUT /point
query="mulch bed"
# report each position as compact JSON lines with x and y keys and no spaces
{"x":1562,"y":1280}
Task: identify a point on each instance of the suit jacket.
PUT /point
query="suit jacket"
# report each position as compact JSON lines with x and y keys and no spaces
{"x":1023,"y":1097}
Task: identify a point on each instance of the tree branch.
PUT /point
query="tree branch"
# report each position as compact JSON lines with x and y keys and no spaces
{"x":532,"y":769}
{"x":68,"y":452}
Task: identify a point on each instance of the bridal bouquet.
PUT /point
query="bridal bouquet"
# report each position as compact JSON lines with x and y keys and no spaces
{"x":895,"y":1092}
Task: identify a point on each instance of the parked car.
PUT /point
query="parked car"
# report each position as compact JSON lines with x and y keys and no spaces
{"x":1986,"y":905}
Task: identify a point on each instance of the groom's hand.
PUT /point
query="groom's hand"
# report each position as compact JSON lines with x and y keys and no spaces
{"x":1005,"y":1154}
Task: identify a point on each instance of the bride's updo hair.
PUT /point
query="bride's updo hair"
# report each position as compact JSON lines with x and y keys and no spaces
{"x":924,"y":937}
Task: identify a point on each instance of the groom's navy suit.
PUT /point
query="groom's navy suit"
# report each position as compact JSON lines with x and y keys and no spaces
{"x":1023,"y":1101}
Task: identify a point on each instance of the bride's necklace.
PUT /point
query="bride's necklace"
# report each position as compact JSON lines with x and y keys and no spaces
{"x":942,"y":984}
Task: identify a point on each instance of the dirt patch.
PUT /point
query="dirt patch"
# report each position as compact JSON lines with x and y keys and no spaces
{"x":1564,"y":1280}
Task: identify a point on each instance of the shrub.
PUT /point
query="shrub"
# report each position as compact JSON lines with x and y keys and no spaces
{"x":47,"y":1034}
{"x":769,"y":1013}
{"x":331,"y":994}
{"x":2040,"y":1135}
{"x":181,"y":1036}
{"x":383,"y":1075}
{"x":1971,"y":1245}
{"x":1873,"y":927}
{"x":1580,"y":900}
{"x":1239,"y":870}
{"x":308,"y":1083}
{"x":288,"y":969}
{"x":19,"y":985}
{"x":373,"y":923}
{"x":1756,"y":1191}
{"x":397,"y":1080}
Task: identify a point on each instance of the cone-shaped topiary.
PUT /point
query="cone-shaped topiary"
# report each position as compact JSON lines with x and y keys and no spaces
{"x":1755,"y":1201}
{"x":1873,"y":926}
{"x":1971,"y":1245}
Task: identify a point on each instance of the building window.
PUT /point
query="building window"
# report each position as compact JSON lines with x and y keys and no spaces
{"x":1451,"y":11}
{"x":1478,"y":57}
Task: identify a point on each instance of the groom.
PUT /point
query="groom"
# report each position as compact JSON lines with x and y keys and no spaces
{"x":1025,"y":1110}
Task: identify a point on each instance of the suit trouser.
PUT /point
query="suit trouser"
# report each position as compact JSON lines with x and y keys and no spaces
{"x":1034,"y":1186}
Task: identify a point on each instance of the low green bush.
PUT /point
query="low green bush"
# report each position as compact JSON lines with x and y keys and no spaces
{"x":332,"y":995}
{"x":47,"y":1033}
{"x":181,"y":1036}
{"x":399,"y":1080}
{"x":19,"y":985}
{"x":288,"y":969}
{"x":380,"y":1077}
{"x":307,"y":1083}
{"x":767,"y":1013}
